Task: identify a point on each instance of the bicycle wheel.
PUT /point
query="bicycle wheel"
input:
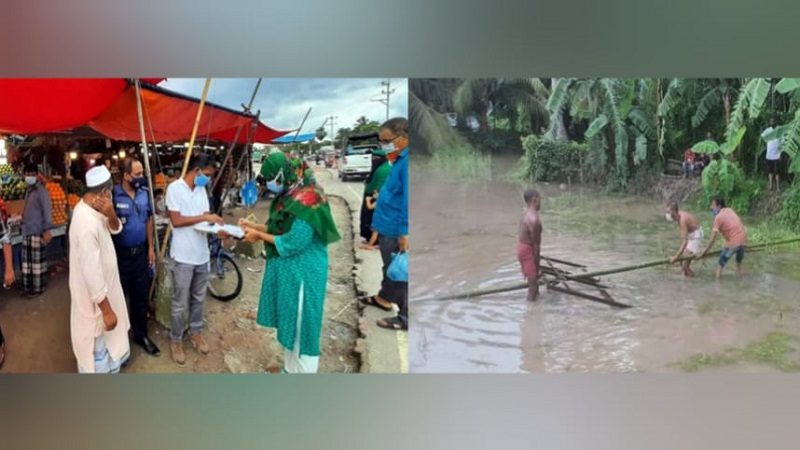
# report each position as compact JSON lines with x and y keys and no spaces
{"x":225,"y":279}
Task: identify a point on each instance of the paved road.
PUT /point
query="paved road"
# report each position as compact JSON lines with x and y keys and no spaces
{"x":384,"y":351}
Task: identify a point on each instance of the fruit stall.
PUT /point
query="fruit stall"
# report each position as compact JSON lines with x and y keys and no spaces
{"x":13,"y":190}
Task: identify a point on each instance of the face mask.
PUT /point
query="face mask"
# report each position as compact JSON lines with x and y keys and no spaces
{"x":273,"y":185}
{"x":388,"y":148}
{"x":140,"y":182}
{"x":669,"y":218}
{"x":715,"y":211}
{"x":201,"y":180}
{"x":30,"y":181}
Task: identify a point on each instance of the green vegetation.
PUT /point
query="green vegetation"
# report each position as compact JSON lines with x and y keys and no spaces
{"x":774,"y":350}
{"x":549,"y":160}
{"x":463,"y":164}
{"x":789,"y":215}
{"x":619,"y":133}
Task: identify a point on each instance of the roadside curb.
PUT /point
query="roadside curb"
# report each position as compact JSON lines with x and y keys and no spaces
{"x":375,"y":349}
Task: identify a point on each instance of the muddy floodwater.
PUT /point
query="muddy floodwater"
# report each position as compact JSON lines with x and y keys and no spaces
{"x":464,"y":236}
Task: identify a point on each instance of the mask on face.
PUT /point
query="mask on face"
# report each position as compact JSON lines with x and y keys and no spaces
{"x":388,"y":148}
{"x":715,"y":211}
{"x":30,"y":180}
{"x":274,"y":184}
{"x":201,"y":180}
{"x":139,"y":182}
{"x":668,"y":216}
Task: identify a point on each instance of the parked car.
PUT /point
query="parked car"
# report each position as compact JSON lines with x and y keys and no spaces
{"x":356,"y":158}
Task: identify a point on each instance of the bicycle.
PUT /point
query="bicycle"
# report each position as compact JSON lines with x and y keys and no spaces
{"x":225,"y":277}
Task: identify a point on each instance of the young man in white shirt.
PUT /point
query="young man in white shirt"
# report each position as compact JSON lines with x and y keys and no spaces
{"x":773,"y":156}
{"x":187,"y":203}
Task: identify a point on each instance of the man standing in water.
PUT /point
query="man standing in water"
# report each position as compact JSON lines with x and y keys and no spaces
{"x":529,"y":244}
{"x":729,"y":225}
{"x":691,"y":235}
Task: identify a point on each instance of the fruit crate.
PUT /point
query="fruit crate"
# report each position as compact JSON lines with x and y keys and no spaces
{"x":15,"y":207}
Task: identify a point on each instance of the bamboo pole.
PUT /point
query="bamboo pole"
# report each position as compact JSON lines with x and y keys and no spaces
{"x":146,"y":158}
{"x":235,"y":139}
{"x":183,"y":173}
{"x":566,"y":263}
{"x":521,"y":286}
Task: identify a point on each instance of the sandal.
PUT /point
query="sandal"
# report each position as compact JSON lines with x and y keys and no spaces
{"x":372,"y":301}
{"x":392,"y":323}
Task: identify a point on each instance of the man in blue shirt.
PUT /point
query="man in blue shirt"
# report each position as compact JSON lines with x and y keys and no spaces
{"x":390,"y":220}
{"x":36,"y":225}
{"x":134,"y":246}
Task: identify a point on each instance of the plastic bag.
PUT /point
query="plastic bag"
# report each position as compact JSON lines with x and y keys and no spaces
{"x":249,"y":193}
{"x":398,"y":268}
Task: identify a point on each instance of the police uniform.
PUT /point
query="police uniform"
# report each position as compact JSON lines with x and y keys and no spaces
{"x":132,"y":255}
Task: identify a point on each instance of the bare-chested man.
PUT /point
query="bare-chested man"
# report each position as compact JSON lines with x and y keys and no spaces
{"x":691,"y":235}
{"x":529,"y":245}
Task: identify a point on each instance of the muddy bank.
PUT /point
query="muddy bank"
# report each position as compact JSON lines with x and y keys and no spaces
{"x":465,"y":235}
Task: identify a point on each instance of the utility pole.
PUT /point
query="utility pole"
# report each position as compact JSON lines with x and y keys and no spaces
{"x":387,"y":91}
{"x":333,"y":136}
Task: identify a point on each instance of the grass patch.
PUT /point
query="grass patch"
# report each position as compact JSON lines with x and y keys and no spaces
{"x":774,"y":350}
{"x":705,"y":308}
{"x":769,"y":231}
{"x":463,"y":164}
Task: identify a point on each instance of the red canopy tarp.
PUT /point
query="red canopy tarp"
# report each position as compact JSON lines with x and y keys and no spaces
{"x":29,"y":106}
{"x":169,"y":117}
{"x":40,"y":105}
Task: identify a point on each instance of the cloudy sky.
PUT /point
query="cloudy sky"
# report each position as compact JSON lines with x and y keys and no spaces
{"x":284,"y":101}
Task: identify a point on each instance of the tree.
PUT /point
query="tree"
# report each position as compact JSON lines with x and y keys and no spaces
{"x":340,"y":135}
{"x":508,"y":98}
{"x":364,"y":125}
{"x":613,"y":114}
{"x":429,"y":128}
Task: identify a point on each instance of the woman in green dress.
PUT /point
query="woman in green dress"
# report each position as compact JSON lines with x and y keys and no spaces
{"x":299,"y":228}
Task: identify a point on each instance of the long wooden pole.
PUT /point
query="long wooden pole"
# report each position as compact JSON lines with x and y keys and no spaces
{"x":183,"y":171}
{"x":146,"y":157}
{"x":235,"y":139}
{"x":577,"y":277}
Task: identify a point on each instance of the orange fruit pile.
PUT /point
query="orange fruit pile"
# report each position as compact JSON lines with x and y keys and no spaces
{"x":72,"y":200}
{"x":58,"y":201}
{"x":160,"y":181}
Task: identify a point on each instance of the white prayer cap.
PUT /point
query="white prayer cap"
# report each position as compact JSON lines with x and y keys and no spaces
{"x":97,"y":175}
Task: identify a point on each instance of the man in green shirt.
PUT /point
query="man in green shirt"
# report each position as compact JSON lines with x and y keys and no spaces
{"x":377,"y":177}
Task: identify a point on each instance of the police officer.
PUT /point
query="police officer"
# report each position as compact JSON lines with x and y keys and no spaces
{"x":134,"y":246}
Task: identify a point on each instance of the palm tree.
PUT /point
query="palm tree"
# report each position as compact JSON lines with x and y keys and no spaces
{"x":510,"y":97}
{"x":429,"y":128}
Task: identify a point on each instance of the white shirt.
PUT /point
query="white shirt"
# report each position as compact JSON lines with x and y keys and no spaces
{"x":93,"y":277}
{"x":773,"y":146}
{"x":189,"y":246}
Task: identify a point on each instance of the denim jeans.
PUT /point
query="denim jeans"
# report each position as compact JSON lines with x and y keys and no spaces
{"x":189,"y":285}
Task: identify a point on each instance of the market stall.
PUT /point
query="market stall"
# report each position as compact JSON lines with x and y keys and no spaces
{"x":93,"y":121}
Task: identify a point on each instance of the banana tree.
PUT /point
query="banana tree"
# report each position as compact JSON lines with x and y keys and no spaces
{"x":619,"y":113}
{"x":789,"y":133}
{"x":722,"y":175}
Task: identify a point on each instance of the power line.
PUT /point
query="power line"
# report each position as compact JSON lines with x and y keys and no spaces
{"x":387,"y":91}
{"x":332,"y":120}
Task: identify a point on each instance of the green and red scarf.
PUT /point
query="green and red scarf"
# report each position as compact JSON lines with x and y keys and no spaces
{"x":306,"y":201}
